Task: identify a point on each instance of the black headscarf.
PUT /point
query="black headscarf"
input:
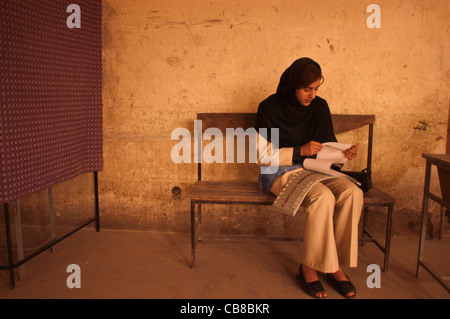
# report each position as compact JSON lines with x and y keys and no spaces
{"x":298,"y":124}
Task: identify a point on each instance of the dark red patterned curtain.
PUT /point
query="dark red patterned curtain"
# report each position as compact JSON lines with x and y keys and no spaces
{"x":50,"y":93}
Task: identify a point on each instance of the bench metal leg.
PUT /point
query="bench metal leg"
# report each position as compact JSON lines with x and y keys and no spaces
{"x":193,"y":235}
{"x":364,"y":225}
{"x":387,"y":245}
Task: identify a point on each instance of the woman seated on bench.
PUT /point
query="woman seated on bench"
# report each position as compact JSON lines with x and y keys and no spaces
{"x":333,"y":206}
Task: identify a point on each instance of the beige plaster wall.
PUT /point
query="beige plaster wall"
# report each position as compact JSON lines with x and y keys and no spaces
{"x":166,"y":60}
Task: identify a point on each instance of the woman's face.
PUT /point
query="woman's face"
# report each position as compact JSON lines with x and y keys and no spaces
{"x":307,"y":94}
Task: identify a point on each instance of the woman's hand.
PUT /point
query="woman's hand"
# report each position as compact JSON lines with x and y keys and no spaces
{"x":351,"y":152}
{"x":310,"y":148}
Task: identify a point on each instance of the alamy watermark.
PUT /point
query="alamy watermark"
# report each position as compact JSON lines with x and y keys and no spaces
{"x":74,"y":20}
{"x":259,"y":149}
{"x":374,"y":279}
{"x":373,"y":20}
{"x":74,"y":279}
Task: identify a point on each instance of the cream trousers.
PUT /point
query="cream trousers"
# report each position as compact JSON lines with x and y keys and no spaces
{"x":333,"y":208}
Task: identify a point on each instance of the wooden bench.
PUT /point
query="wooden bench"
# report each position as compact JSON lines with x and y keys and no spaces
{"x":246,"y":193}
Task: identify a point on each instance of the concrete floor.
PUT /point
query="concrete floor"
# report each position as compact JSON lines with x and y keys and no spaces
{"x":126,"y":264}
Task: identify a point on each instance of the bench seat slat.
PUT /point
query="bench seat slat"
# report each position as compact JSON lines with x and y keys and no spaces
{"x":247,"y":192}
{"x":376,"y":197}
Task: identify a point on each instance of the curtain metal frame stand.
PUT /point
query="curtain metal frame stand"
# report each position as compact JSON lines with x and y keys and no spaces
{"x":50,"y":244}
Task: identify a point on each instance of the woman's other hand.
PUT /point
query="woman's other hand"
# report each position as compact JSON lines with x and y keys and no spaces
{"x":351,"y":152}
{"x":310,"y":148}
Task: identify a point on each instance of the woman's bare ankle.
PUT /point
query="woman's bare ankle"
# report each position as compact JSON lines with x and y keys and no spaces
{"x":340,"y":275}
{"x":310,"y":274}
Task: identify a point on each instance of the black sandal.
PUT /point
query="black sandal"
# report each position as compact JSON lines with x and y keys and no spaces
{"x":311,"y":288}
{"x":342,"y":287}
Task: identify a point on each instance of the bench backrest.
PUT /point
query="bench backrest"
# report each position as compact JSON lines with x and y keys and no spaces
{"x":341,"y":122}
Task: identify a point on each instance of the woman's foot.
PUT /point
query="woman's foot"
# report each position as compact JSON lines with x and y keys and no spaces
{"x":342,"y":283}
{"x":310,"y":283}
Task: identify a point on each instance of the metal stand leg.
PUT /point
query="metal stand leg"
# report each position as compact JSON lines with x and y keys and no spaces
{"x":97,"y":206}
{"x":52,"y":215}
{"x":12,"y":282}
{"x":19,"y":239}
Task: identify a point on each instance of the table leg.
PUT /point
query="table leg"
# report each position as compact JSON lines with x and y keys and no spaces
{"x":387,"y":246}
{"x":423,"y":227}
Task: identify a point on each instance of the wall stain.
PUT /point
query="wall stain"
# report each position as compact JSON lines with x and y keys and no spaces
{"x":173,"y":61}
{"x":422,"y":127}
{"x":331,"y":47}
